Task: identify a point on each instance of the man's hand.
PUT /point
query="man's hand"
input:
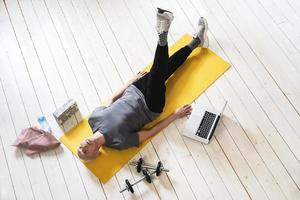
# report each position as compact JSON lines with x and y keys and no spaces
{"x":183,"y":111}
{"x":179,"y":113}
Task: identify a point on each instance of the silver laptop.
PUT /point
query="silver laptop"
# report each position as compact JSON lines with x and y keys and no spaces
{"x":202,"y":123}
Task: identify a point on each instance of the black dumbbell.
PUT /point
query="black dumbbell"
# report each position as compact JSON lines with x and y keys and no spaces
{"x":129,"y":186}
{"x":147,"y":175}
{"x":141,"y":165}
{"x":158,"y":168}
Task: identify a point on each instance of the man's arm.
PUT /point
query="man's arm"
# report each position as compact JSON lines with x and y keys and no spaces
{"x":179,"y":113}
{"x":120,"y":92}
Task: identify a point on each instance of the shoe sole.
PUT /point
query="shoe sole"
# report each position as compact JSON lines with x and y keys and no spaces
{"x":161,"y":11}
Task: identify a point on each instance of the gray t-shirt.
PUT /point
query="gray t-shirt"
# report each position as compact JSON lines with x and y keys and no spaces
{"x":121,"y":121}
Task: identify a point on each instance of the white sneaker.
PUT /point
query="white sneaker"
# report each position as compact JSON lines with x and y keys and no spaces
{"x":202,"y":33}
{"x":164,"y":19}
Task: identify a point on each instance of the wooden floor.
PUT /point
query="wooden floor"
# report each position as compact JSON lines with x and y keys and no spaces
{"x":52,"y":50}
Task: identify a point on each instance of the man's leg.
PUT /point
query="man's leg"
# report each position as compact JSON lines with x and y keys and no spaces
{"x":152,"y":85}
{"x":159,"y":68}
{"x":177,"y":59}
{"x":155,"y":94}
{"x":161,"y":58}
{"x":200,"y":39}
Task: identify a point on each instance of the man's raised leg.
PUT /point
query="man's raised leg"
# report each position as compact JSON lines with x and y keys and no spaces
{"x":161,"y":59}
{"x":200,"y":39}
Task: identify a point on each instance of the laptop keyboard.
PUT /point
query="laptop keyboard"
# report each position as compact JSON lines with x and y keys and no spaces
{"x":206,"y":124}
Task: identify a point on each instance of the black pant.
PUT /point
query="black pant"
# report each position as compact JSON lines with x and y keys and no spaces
{"x":152,"y":85}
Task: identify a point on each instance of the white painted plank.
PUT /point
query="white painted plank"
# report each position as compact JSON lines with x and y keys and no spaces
{"x":287,"y":78}
{"x":176,"y":176}
{"x":129,"y":38}
{"x":109,"y":38}
{"x":15,"y":161}
{"x":288,"y":29}
{"x":66,"y":67}
{"x":290,"y":114}
{"x":275,"y":13}
{"x":137,"y":14}
{"x":291,"y":55}
{"x":284,"y":181}
{"x":12,"y":125}
{"x":7,"y":190}
{"x":282,"y":9}
{"x":31,"y":105}
{"x":272,"y":111}
{"x":294,"y":4}
{"x":74,"y":55}
{"x":262,"y":11}
{"x":236,"y":157}
{"x":92,"y":184}
{"x":187,"y":164}
{"x":233,"y":184}
{"x":23,"y":119}
{"x":215,"y":167}
{"x":107,"y":65}
{"x":252,"y":152}
{"x":83,"y":41}
{"x":260,"y":147}
{"x":286,"y":44}
{"x":68,"y":168}
{"x":233,"y":153}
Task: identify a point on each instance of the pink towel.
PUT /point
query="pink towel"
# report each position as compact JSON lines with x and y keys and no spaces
{"x":34,"y":140}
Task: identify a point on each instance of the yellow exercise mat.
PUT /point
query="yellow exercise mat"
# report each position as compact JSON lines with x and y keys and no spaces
{"x":199,"y":71}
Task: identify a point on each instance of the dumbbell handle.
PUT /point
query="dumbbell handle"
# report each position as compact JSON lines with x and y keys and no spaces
{"x":126,"y":188}
{"x":148,"y":166}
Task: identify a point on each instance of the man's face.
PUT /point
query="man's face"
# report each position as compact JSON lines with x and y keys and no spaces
{"x":88,"y":150}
